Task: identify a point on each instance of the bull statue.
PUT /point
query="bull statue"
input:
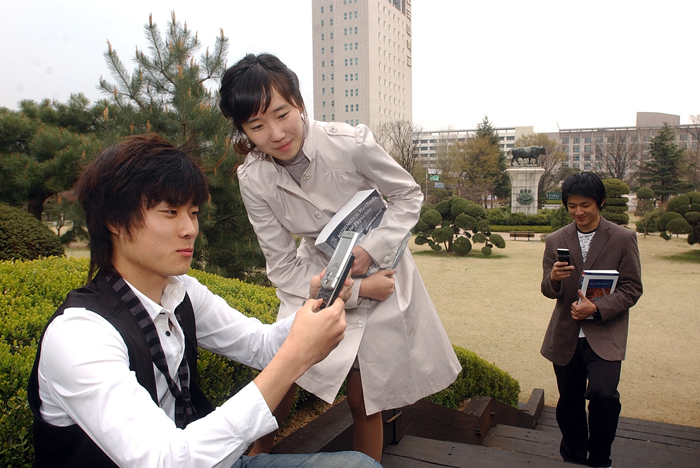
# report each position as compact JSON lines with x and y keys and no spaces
{"x":527,"y":152}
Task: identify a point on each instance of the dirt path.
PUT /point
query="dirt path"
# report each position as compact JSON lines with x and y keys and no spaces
{"x":493,"y":306}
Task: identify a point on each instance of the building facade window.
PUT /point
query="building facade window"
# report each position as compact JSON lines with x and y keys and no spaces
{"x":564,"y":141}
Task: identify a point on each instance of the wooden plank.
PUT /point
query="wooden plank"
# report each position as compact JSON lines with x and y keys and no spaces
{"x":443,"y":453}
{"x":330,"y":432}
{"x":627,"y":453}
{"x":523,"y":446}
{"x":639,"y":429}
{"x":438,"y":422}
{"x":658,"y":438}
{"x":396,"y":461}
{"x":492,"y":412}
{"x":689,"y":432}
{"x":535,"y":403}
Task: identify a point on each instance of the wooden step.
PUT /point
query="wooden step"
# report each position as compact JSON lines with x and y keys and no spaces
{"x":631,"y":449}
{"x":414,"y":452}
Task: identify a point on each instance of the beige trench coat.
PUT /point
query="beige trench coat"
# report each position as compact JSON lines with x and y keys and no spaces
{"x":402,"y":348}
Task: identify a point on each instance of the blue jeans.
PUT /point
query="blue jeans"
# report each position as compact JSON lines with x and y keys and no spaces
{"x":323,"y":459}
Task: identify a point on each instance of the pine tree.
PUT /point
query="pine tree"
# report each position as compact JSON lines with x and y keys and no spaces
{"x":43,"y":148}
{"x":662,"y":171}
{"x":501,"y":187}
{"x":170,"y":93}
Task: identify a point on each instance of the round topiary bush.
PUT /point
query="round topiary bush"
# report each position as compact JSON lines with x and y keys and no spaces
{"x":486,"y":250}
{"x":665,"y":218}
{"x":498,"y":241}
{"x":479,"y":238}
{"x":465,"y":222}
{"x":432,"y":218}
{"x":679,"y":226}
{"x":443,"y":207}
{"x":458,"y":206}
{"x":679,"y":204}
{"x":645,"y":193}
{"x":23,"y":237}
{"x":462,"y":246}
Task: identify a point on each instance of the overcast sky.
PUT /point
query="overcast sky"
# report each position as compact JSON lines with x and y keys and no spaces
{"x":546,"y":64}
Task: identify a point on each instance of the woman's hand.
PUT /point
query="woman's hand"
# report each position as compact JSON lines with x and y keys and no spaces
{"x":378,"y":286}
{"x":363,"y":261}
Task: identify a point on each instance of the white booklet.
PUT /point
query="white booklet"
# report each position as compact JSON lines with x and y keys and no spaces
{"x":359,"y":214}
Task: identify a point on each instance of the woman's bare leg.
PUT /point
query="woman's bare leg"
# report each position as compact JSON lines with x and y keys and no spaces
{"x":265,"y":443}
{"x":368,"y":431}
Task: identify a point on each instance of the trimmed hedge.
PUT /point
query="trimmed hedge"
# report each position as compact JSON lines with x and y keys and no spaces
{"x":478,"y":378}
{"x":539,"y":229}
{"x":32,"y":290}
{"x":23,"y":237}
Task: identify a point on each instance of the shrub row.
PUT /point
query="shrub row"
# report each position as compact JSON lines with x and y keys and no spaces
{"x":539,"y":229}
{"x":478,"y":378}
{"x":32,"y":290}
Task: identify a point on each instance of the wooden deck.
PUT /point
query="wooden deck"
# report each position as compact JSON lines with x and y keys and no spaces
{"x":489,"y":434}
{"x":638,"y":444}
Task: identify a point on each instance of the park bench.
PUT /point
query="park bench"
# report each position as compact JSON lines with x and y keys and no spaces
{"x":527,"y":234}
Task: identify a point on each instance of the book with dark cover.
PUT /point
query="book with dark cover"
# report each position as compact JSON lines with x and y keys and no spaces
{"x":359,"y":214}
{"x":598,"y":283}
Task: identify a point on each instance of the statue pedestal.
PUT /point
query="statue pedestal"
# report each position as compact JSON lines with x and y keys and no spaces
{"x":524,"y":180}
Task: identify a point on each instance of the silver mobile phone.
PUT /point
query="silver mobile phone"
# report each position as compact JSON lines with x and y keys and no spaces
{"x":338,"y":268}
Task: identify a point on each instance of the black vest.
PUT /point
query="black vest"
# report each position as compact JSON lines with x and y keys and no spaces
{"x":70,"y":446}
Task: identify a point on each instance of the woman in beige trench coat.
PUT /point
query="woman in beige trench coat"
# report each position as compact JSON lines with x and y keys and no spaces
{"x":296,"y":176}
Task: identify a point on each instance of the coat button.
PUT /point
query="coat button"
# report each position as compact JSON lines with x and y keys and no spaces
{"x":386,"y":259}
{"x":317,"y":215}
{"x":333,"y":129}
{"x":307,"y":177}
{"x":360,"y":323}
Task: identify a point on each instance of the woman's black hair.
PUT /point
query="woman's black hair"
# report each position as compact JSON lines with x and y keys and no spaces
{"x":584,"y":184}
{"x":246,"y":91}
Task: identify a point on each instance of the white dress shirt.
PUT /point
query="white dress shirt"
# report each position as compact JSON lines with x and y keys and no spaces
{"x":84,"y":378}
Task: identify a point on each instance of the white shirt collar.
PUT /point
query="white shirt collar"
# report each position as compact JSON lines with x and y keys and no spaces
{"x":173,"y":294}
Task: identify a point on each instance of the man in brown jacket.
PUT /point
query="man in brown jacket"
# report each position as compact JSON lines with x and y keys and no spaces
{"x":586,"y":340}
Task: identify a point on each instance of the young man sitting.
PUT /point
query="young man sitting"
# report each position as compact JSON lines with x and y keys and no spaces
{"x":115,"y":378}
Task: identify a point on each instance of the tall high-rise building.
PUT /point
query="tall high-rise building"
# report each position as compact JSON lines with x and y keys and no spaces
{"x":362,"y":61}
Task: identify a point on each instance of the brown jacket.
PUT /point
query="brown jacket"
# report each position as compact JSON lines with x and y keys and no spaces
{"x":612,"y":248}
